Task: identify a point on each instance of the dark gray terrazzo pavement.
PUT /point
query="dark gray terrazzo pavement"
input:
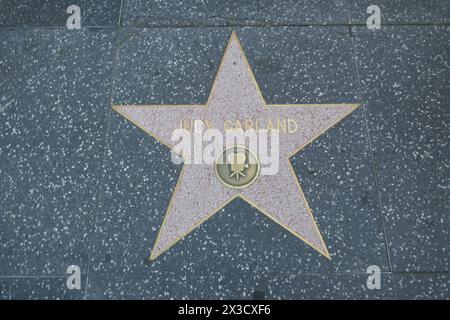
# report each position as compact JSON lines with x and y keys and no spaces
{"x":81,"y":185}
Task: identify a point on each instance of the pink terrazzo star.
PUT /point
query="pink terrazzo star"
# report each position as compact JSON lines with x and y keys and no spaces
{"x":199,"y":194}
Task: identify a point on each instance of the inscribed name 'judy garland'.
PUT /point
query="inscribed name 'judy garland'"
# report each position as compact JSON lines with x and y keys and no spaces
{"x":283,"y":125}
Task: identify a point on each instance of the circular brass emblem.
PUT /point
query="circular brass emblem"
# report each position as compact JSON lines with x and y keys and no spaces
{"x":237,"y":167}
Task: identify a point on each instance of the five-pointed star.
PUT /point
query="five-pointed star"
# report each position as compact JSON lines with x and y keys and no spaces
{"x":199,"y":194}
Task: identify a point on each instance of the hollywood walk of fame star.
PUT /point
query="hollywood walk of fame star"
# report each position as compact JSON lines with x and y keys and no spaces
{"x":199,"y":193}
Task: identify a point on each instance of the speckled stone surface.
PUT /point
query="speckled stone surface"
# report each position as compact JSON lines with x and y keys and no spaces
{"x":55,"y":95}
{"x":407,"y":94}
{"x":228,"y":12}
{"x":81,"y":185}
{"x":247,"y":286}
{"x":39,"y":288}
{"x":406,"y":12}
{"x":422,"y":286}
{"x":52,"y":13}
